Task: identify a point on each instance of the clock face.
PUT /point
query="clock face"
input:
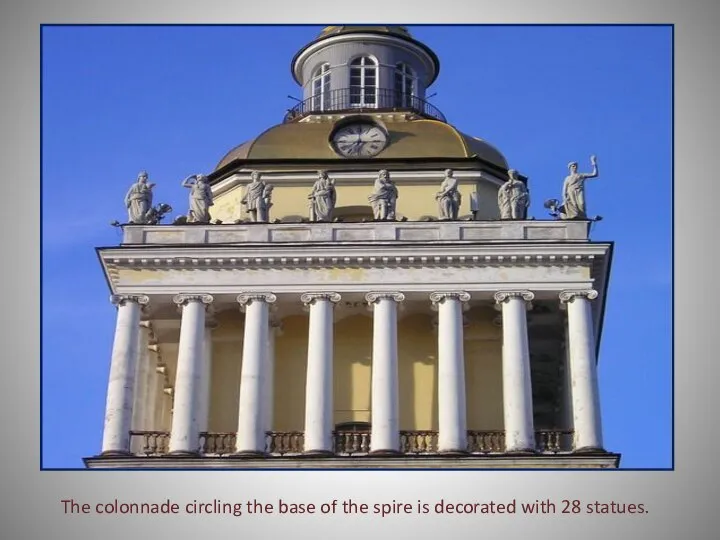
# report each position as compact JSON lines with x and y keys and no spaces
{"x":359,"y":140}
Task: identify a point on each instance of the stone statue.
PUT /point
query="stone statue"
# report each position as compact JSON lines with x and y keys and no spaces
{"x":384,"y":197}
{"x":257,"y":199}
{"x":573,"y":206}
{"x":449,"y":198}
{"x":322,"y":198}
{"x":138,"y":200}
{"x":513,"y":198}
{"x":200,"y":198}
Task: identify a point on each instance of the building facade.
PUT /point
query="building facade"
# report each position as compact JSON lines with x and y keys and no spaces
{"x":356,"y":296}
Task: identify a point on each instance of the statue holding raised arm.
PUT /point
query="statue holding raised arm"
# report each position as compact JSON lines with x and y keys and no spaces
{"x":322,"y":198}
{"x":200,"y":198}
{"x":384,"y":197}
{"x":257,"y":198}
{"x":513,"y":198}
{"x":138,"y":200}
{"x":574,"y":191}
{"x":449,"y":197}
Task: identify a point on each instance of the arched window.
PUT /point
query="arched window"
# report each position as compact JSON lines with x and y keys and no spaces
{"x":321,"y":88}
{"x":363,"y":82}
{"x":405,"y":85}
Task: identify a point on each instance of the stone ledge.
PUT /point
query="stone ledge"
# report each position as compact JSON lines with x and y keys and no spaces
{"x":556,"y":461}
{"x":407,"y":232}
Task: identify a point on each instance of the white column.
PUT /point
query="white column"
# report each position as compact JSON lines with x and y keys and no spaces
{"x":191,"y":351}
{"x":118,"y":408}
{"x":517,"y":386}
{"x":142,"y":370}
{"x":583,"y":371}
{"x":203,"y":416}
{"x":275,"y":330}
{"x":153,"y":388}
{"x":251,"y":409}
{"x":452,"y":407}
{"x":384,"y":398}
{"x":319,"y":384}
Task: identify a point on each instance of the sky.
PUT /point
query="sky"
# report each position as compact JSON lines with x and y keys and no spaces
{"x":173,"y":100}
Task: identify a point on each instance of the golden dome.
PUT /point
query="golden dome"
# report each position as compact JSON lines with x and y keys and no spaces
{"x":421,"y":138}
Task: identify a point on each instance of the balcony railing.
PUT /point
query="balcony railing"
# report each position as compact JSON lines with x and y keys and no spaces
{"x":369,"y":100}
{"x":353,"y":443}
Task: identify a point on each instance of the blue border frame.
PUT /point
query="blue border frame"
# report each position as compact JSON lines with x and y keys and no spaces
{"x":205,"y":469}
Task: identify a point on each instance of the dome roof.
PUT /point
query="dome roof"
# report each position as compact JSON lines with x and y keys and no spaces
{"x":421,"y":138}
{"x":399,"y":31}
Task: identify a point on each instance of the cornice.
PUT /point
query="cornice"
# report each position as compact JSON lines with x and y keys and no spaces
{"x":263,"y":257}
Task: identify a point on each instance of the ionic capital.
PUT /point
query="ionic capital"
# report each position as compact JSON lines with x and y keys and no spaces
{"x":440,"y":297}
{"x":373,"y":297}
{"x":184,"y":299}
{"x":503,"y":296}
{"x":245,"y":299}
{"x":122,"y":299}
{"x":310,"y":298}
{"x":568,"y":296}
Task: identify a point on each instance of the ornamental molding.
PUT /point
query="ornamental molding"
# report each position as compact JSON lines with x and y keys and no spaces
{"x":375,"y":296}
{"x":503,"y":297}
{"x":440,"y":297}
{"x":247,"y":298}
{"x":212,"y":257}
{"x":310,"y":298}
{"x":124,"y":299}
{"x":183,"y":298}
{"x":569,"y":296}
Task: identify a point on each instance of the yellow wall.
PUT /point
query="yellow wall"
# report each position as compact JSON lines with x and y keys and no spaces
{"x":417,"y":370}
{"x":414,"y":201}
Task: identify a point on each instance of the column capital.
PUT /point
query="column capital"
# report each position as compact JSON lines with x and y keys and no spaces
{"x":310,"y":298}
{"x":439,"y":297}
{"x":247,"y":298}
{"x":503,"y":296}
{"x":122,"y":299}
{"x":373,"y":297}
{"x":183,"y":299}
{"x":570,"y":295}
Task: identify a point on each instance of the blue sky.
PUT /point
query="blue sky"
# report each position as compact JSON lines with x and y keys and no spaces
{"x":174,"y":100}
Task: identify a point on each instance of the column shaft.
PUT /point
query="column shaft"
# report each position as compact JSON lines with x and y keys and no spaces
{"x":319,"y":385}
{"x":385,"y":426}
{"x":184,"y":434}
{"x":517,"y":386}
{"x":203,"y":416}
{"x":587,"y":423}
{"x":140,"y":404}
{"x":452,"y":406}
{"x":251,"y":409}
{"x":118,"y":408}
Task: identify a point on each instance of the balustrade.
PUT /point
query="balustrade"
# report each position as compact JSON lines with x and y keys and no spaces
{"x":353,"y":443}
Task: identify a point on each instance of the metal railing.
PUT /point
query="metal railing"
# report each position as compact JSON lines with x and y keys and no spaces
{"x":352,"y":443}
{"x":363,"y":100}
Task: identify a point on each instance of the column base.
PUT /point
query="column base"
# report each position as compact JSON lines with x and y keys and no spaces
{"x":521,"y":452}
{"x":453,"y":452}
{"x":589,"y":450}
{"x":385,"y":453}
{"x":183,"y":453}
{"x":248,"y":454}
{"x":115,"y":453}
{"x":318,"y":453}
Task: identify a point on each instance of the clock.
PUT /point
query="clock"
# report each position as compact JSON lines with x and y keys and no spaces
{"x":359,"y":140}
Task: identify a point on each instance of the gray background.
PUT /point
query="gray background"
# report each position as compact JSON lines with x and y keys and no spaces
{"x":682,"y":503}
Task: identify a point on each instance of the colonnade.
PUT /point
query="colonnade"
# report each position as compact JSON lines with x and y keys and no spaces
{"x":191,"y":395}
